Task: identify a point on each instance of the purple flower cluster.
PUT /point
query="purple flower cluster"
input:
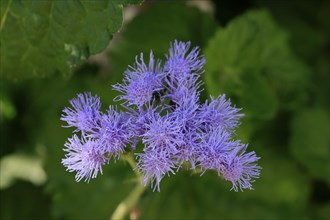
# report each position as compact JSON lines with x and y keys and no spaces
{"x":164,"y":114}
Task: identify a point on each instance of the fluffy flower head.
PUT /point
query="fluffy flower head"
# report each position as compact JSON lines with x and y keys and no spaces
{"x":164,"y":133}
{"x":84,"y":111}
{"x":182,"y":63}
{"x":241,"y":169}
{"x":154,"y":165}
{"x":141,"y":82}
{"x":219,"y":113}
{"x":112,"y":132}
{"x":164,"y":114}
{"x":84,"y":157}
{"x":213,"y":149}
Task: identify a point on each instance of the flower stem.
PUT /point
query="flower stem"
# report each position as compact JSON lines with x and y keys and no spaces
{"x":130,"y":201}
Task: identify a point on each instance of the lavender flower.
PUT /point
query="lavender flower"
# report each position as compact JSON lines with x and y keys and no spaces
{"x":140,"y":82}
{"x":113,"y":132}
{"x":187,"y":152}
{"x":214,"y":149}
{"x":163,"y":113}
{"x":181,"y":63}
{"x":154,"y":165}
{"x":219,"y":112}
{"x":163,"y":132}
{"x":240,"y":168}
{"x":84,"y":157}
{"x":84,"y":112}
{"x":217,"y":151}
{"x":186,"y":108}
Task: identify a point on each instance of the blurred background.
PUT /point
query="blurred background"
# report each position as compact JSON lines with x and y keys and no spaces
{"x":270,"y":57}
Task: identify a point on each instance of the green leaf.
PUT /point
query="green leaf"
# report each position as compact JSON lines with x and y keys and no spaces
{"x":257,"y":98}
{"x":308,"y":23}
{"x":39,"y":38}
{"x":250,"y":60}
{"x":246,"y":42}
{"x":289,"y":77}
{"x":155,"y":28}
{"x":310,"y":142}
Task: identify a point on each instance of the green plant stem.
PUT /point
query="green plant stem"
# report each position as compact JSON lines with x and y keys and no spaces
{"x":130,"y":201}
{"x":130,"y":160}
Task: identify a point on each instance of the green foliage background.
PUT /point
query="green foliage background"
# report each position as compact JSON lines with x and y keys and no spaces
{"x":270,"y":57}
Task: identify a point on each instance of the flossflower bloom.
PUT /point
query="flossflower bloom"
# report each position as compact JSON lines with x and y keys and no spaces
{"x":164,"y":114}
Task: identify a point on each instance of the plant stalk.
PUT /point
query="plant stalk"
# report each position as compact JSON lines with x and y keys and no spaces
{"x":130,"y":201}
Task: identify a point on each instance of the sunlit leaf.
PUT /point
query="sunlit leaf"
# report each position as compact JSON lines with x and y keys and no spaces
{"x":39,"y":38}
{"x":22,"y":167}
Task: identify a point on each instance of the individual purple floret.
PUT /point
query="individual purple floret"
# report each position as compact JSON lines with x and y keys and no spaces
{"x":214,"y":149}
{"x":163,"y":113}
{"x":113,"y":132}
{"x":179,"y":91}
{"x":186,"y":108}
{"x":219,"y":113}
{"x":240,"y":168}
{"x":140,"y":82}
{"x":187,"y":152}
{"x":181,"y":64}
{"x":84,"y":157}
{"x":163,"y":132}
{"x":154,"y":165}
{"x":218,"y":152}
{"x":84,"y":112}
